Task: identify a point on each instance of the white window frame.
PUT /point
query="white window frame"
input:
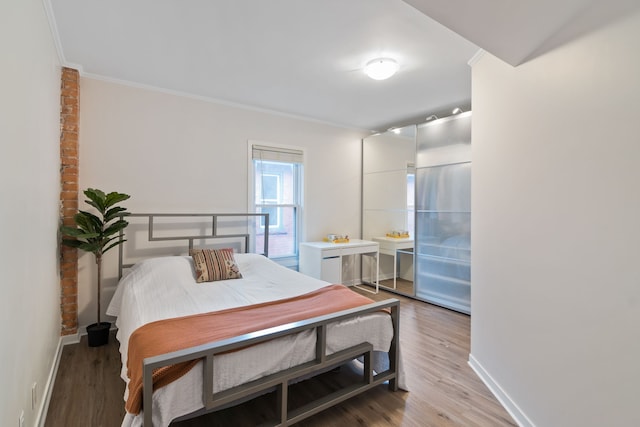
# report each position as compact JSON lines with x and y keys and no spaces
{"x":291,"y":261}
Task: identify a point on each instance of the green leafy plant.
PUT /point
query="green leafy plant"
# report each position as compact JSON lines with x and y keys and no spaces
{"x":97,"y":233}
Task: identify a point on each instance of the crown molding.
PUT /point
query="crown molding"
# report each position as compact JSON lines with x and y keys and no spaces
{"x":476,"y":57}
{"x":216,"y":101}
{"x":53,"y":28}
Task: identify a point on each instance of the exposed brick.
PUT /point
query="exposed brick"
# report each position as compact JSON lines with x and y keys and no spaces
{"x":69,"y":186}
{"x":69,"y":316}
{"x":71,"y":160}
{"x":69,"y":79}
{"x":70,"y":152}
{"x":69,"y":291}
{"x":67,"y":250}
{"x":70,"y":276}
{"x":69,"y":137}
{"x":70,"y":126}
{"x":69,"y":300}
{"x":69,"y":195}
{"x":68,"y":266}
{"x":68,"y":214}
{"x":71,"y":306}
{"x":69,"y":259}
{"x":69,"y":101}
{"x":68,"y":262}
{"x":69,"y":122}
{"x":69,"y":110}
{"x":68,"y":255}
{"x":69,"y":273}
{"x":67,"y":282}
{"x":70,"y":328}
{"x":69,"y":90}
{"x":68,"y":143}
{"x":70,"y":171}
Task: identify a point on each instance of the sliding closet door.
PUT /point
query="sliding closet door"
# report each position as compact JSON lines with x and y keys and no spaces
{"x":443,"y":212}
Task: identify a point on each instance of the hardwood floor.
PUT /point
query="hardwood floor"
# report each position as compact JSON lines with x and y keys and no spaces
{"x":444,"y":391}
{"x":403,"y":286}
{"x":88,"y":389}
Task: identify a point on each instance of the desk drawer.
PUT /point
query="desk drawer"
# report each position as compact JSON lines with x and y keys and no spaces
{"x":360,"y":250}
{"x":330,"y":253}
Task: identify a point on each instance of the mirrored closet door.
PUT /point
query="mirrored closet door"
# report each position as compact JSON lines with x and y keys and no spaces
{"x":416,"y":203}
{"x":388,"y":196}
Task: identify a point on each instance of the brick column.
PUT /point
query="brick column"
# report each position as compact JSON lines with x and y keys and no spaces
{"x":69,"y":118}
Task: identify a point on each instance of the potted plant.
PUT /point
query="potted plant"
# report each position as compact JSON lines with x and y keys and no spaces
{"x":97,"y":234}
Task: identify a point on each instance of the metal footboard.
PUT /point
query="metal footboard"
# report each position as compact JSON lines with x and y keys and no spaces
{"x":281,"y":380}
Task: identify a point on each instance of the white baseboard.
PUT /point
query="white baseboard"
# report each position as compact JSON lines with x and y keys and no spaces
{"x":48,"y":389}
{"x":512,"y":408}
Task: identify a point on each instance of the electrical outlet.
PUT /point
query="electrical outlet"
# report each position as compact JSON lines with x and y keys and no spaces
{"x":34,"y":395}
{"x":21,"y":419}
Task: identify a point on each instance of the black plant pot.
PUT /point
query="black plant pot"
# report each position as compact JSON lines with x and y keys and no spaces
{"x":98,"y":334}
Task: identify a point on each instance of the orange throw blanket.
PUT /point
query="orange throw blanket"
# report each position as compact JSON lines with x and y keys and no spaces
{"x":169,"y":335}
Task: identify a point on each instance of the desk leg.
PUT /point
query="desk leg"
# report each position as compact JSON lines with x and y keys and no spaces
{"x":377,"y":255}
{"x":395,"y":268}
{"x":377,"y":272}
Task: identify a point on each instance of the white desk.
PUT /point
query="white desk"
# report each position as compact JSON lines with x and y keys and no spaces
{"x":323,"y":260}
{"x":391,"y":246}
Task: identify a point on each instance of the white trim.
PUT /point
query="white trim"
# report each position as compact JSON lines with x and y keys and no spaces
{"x":53,"y":27}
{"x":41,"y":416}
{"x":476,"y":57}
{"x":512,"y":408}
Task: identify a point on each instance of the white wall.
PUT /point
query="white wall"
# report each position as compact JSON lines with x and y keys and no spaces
{"x":179,"y":154}
{"x":556,"y":229}
{"x":29,"y":185}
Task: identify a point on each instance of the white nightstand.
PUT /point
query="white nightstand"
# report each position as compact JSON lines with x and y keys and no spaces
{"x":323,"y":260}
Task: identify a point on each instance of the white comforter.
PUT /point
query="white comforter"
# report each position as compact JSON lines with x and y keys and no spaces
{"x":162,"y":288}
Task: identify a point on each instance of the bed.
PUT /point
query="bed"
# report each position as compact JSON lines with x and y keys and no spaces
{"x":260,"y":359}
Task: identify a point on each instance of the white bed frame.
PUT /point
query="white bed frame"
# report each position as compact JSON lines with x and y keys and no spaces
{"x":279,"y":381}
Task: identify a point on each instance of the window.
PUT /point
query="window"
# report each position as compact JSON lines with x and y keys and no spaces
{"x":269,"y":195}
{"x":277,"y":190}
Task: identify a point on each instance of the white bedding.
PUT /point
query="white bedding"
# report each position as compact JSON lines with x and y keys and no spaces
{"x":161,"y":288}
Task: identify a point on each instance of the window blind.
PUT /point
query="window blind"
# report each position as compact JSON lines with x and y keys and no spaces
{"x":276,"y":154}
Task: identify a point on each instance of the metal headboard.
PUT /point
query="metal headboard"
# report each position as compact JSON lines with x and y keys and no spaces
{"x":214,"y":234}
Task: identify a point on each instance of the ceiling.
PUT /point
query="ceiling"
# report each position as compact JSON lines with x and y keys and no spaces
{"x":305,"y":58}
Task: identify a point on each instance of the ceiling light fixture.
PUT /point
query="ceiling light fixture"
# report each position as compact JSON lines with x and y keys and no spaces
{"x":431,"y":117}
{"x":457,"y":110}
{"x":381,"y":68}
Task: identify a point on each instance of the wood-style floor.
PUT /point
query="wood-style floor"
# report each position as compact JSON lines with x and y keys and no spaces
{"x":444,"y":391}
{"x":403,"y":286}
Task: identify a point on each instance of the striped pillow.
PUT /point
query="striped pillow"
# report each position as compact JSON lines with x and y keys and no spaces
{"x":214,"y":264}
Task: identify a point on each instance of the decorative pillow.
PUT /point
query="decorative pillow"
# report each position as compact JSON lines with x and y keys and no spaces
{"x":214,"y":264}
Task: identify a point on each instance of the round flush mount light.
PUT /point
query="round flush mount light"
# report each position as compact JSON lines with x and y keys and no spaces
{"x":381,"y":68}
